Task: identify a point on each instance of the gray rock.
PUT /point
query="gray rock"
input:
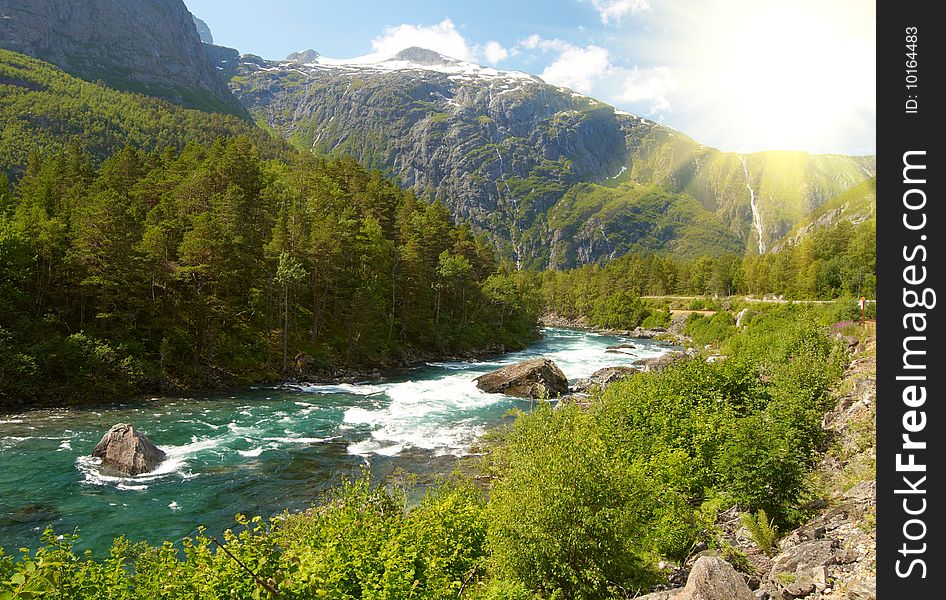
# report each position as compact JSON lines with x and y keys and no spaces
{"x":532,"y":378}
{"x":862,"y":590}
{"x":647,"y":333}
{"x":711,"y":578}
{"x":603,"y":378}
{"x":203,"y":30}
{"x":661,"y":595}
{"x":799,"y":584}
{"x":147,"y":46}
{"x":303,"y":57}
{"x":660,"y":362}
{"x":803,"y":556}
{"x":740,"y":316}
{"x":621,"y":347}
{"x":423,"y":56}
{"x":864,"y":492}
{"x":127,"y":451}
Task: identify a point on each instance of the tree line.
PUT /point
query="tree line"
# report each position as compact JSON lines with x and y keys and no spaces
{"x":831,"y":262}
{"x":213,"y":266}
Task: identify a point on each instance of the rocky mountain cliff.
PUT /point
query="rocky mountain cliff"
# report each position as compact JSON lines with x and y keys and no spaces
{"x":557,"y":178}
{"x":147,"y":46}
{"x":203,"y":31}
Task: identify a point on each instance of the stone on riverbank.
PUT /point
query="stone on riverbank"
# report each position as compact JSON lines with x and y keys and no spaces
{"x":534,"y":378}
{"x":657,"y":363}
{"x":711,"y":578}
{"x":603,"y":378}
{"x":127,"y":451}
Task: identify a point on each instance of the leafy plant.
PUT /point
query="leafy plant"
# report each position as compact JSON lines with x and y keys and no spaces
{"x":762,"y":530}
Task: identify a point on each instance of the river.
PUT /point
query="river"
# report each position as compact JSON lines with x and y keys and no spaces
{"x":257,"y":450}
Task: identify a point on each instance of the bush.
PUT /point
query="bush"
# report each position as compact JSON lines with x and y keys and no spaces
{"x":710,"y":329}
{"x":658,"y":318}
{"x":622,"y":310}
{"x":763,"y":531}
{"x":567,"y":515}
{"x":361,"y":544}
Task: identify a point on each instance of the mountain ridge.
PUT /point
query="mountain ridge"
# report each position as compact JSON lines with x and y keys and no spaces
{"x":502,"y":148}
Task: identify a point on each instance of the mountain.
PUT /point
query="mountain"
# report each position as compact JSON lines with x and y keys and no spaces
{"x":203,"y":31}
{"x":146,"y":46}
{"x":554,"y":176}
{"x":856,"y":205}
{"x":45,"y":110}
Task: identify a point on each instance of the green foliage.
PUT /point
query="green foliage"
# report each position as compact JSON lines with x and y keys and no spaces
{"x":44,"y":111}
{"x":710,"y":329}
{"x":830,"y":262}
{"x":621,"y":310}
{"x":213,"y":266}
{"x":637,"y":219}
{"x":763,"y":531}
{"x":837,"y":262}
{"x":360,"y":544}
{"x":566,"y":515}
{"x":658,"y":318}
{"x":653,"y":447}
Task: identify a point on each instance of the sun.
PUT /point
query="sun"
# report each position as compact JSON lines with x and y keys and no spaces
{"x":778,"y":75}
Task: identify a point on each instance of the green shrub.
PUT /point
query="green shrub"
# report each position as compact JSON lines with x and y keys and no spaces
{"x":657,"y":318}
{"x":762,"y":530}
{"x":568,"y":515}
{"x":500,"y":589}
{"x":621,"y":310}
{"x":710,"y":329}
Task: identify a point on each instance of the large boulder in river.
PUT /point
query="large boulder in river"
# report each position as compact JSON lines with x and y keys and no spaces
{"x":127,"y":451}
{"x":534,"y":378}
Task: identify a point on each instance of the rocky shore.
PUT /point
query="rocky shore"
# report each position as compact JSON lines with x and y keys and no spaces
{"x":832,"y":556}
{"x":672,"y":334}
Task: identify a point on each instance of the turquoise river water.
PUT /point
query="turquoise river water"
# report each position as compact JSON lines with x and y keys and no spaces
{"x":257,"y":450}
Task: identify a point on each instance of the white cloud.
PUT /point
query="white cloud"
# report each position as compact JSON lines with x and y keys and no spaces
{"x":575,"y":67}
{"x":495,"y":52}
{"x":578,"y":68}
{"x":442,"y":37}
{"x":537,"y":42}
{"x":652,"y":84}
{"x":613,"y":11}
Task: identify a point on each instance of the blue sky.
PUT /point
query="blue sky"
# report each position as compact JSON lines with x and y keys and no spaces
{"x":740,"y":75}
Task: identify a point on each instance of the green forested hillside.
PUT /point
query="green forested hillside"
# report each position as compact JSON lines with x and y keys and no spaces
{"x":213,"y":266}
{"x":830,"y":262}
{"x":43,"y":110}
{"x":611,"y":221}
{"x":854,"y":205}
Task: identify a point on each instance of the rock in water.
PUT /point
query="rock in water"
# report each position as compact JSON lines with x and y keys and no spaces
{"x":534,"y":378}
{"x":127,"y":451}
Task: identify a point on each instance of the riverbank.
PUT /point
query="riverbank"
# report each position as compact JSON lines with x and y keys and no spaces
{"x":259,"y":449}
{"x":673,"y":333}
